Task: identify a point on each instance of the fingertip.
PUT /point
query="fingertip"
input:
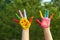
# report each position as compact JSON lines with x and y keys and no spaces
{"x":16,"y":20}
{"x":20,"y":13}
{"x":51,"y":16}
{"x":41,"y":14}
{"x":37,"y":20}
{"x":32,"y":17}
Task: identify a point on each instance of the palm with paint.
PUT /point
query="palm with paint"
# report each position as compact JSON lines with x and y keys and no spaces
{"x":45,"y":20}
{"x":24,"y":22}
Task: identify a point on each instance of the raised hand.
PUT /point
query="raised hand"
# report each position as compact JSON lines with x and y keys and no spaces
{"x":45,"y":20}
{"x":24,"y":22}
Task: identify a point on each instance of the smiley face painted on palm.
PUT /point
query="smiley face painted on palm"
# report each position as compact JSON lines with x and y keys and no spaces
{"x":24,"y":23}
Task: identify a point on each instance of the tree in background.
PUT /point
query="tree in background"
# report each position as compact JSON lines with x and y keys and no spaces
{"x":9,"y":30}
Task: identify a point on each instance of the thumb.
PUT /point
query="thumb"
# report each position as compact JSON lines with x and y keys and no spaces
{"x":39,"y":22}
{"x":31,"y":19}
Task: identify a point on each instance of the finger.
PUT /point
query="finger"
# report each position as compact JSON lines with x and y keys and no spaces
{"x":17,"y":16}
{"x":31,"y":19}
{"x":16,"y":20}
{"x":41,"y":14}
{"x":38,"y":22}
{"x":47,"y":13}
{"x":25,"y":13}
{"x":21,"y":14}
{"x":51,"y":16}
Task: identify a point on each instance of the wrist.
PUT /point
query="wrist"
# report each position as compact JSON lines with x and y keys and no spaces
{"x":25,"y":34}
{"x":47,"y":28}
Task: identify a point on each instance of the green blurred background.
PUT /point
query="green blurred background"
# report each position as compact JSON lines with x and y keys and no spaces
{"x":10,"y":30}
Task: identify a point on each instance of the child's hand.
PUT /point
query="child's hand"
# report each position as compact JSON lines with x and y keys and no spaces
{"x":45,"y":20}
{"x":24,"y":22}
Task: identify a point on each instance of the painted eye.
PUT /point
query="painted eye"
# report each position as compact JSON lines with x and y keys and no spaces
{"x":24,"y":20}
{"x":21,"y":22}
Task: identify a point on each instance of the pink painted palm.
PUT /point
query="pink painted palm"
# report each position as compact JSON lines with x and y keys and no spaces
{"x":45,"y":21}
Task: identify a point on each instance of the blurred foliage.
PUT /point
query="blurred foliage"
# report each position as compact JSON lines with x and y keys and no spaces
{"x":10,"y":30}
